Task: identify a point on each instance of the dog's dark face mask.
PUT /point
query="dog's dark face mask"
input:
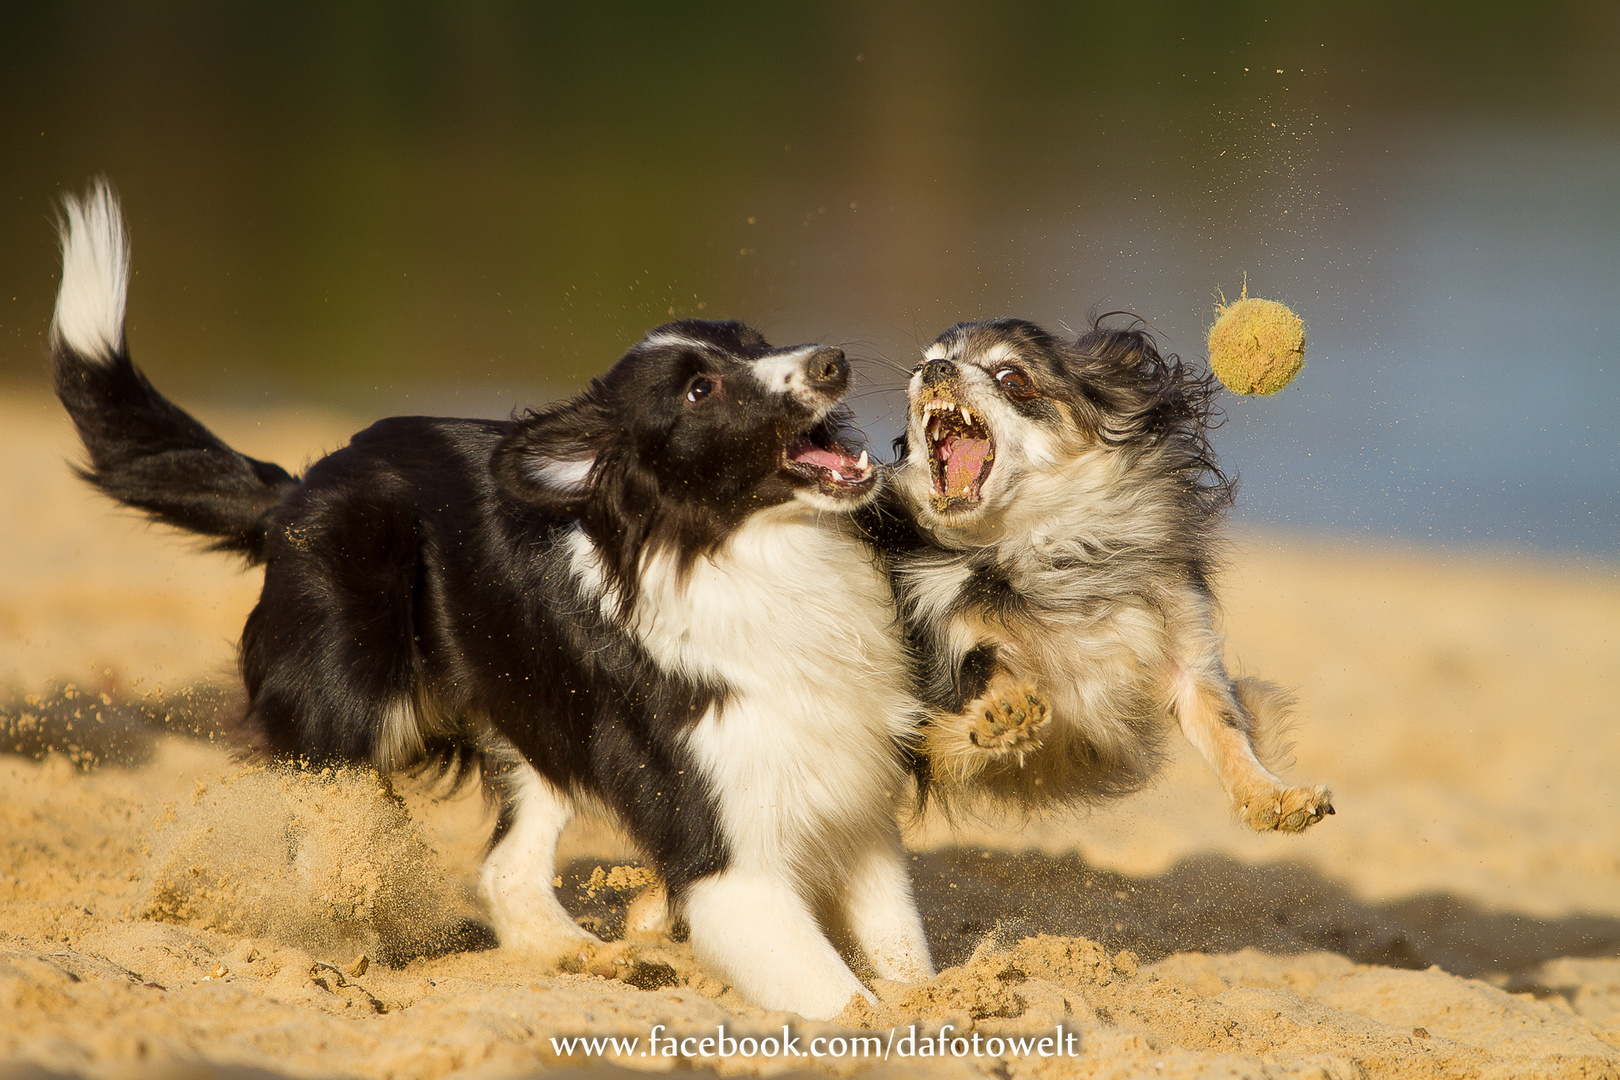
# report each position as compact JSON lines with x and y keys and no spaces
{"x":698,"y":426}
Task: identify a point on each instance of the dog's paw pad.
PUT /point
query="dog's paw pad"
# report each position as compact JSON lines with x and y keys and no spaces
{"x":1287,"y":809}
{"x":1010,"y":717}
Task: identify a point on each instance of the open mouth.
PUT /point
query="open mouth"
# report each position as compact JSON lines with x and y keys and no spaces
{"x":817,"y":455}
{"x":960,"y":453}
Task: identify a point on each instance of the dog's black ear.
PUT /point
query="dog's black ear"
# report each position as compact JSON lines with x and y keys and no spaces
{"x":550,"y":458}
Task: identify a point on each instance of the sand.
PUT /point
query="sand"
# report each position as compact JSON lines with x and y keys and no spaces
{"x":166,"y":911}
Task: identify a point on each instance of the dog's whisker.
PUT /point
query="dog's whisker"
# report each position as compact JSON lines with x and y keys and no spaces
{"x":893,"y":365}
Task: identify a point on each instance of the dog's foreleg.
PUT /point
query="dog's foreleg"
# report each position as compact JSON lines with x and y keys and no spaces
{"x":882,"y":914}
{"x":1214,"y":720}
{"x":515,"y":881}
{"x":758,"y":933}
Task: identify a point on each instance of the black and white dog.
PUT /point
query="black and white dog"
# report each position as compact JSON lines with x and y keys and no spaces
{"x":649,"y":596}
{"x":1052,"y":530}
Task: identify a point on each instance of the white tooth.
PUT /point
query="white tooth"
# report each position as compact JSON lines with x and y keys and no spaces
{"x":862,"y":464}
{"x":967,"y":414}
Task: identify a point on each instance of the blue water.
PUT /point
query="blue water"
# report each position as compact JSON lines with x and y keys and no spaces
{"x":1463,"y":307}
{"x":1467,"y":389}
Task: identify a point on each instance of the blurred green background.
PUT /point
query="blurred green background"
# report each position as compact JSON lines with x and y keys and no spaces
{"x":465,"y":207}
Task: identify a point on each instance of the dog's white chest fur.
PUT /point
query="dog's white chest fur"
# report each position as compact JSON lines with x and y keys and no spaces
{"x":795,"y":621}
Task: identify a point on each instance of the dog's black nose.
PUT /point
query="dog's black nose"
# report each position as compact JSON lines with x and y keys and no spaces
{"x":938,"y":371}
{"x":827,"y":370}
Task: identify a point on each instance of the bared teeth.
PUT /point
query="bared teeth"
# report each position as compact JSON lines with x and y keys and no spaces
{"x":934,"y":412}
{"x":863,"y":464}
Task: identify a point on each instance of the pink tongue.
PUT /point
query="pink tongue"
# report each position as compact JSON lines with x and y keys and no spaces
{"x":964,"y":460}
{"x":825,"y":459}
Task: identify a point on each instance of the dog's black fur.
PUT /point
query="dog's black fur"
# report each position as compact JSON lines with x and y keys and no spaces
{"x":421,"y":563}
{"x":454,"y":591}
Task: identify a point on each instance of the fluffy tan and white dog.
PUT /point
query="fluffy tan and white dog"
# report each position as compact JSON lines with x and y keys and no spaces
{"x":1052,"y":531}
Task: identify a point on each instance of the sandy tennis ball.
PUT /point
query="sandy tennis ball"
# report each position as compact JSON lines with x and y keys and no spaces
{"x":1256,"y":346}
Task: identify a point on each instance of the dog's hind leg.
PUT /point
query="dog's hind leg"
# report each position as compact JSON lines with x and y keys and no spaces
{"x":882,"y":914}
{"x":759,"y":933}
{"x":1228,"y":722}
{"x":515,"y":880}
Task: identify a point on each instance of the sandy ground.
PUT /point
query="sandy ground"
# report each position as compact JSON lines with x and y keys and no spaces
{"x":164,"y":911}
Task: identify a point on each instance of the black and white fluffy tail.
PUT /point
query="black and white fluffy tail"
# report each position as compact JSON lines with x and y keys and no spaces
{"x":144,"y":451}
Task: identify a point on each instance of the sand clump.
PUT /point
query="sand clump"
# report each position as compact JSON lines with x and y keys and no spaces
{"x":619,"y":879}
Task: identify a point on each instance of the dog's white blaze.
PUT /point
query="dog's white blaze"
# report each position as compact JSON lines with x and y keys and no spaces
{"x":680,"y":341}
{"x":89,"y":316}
{"x":784,"y":373}
{"x":998,"y":354}
{"x":785,"y":370}
{"x":515,"y":880}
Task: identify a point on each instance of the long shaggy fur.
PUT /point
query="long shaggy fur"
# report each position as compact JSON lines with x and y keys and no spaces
{"x":1052,"y":532}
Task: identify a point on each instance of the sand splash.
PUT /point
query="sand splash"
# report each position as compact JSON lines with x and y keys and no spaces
{"x":329,"y":861}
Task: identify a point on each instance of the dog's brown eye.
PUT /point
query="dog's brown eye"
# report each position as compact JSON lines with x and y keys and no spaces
{"x":700,"y":389}
{"x":1017,"y":385}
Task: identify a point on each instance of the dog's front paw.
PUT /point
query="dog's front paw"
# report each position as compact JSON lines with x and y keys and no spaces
{"x":1279,"y":809}
{"x":1005,"y":723}
{"x":1009,"y":718}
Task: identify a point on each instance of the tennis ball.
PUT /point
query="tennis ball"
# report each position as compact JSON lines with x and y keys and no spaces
{"x":1256,"y":346}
